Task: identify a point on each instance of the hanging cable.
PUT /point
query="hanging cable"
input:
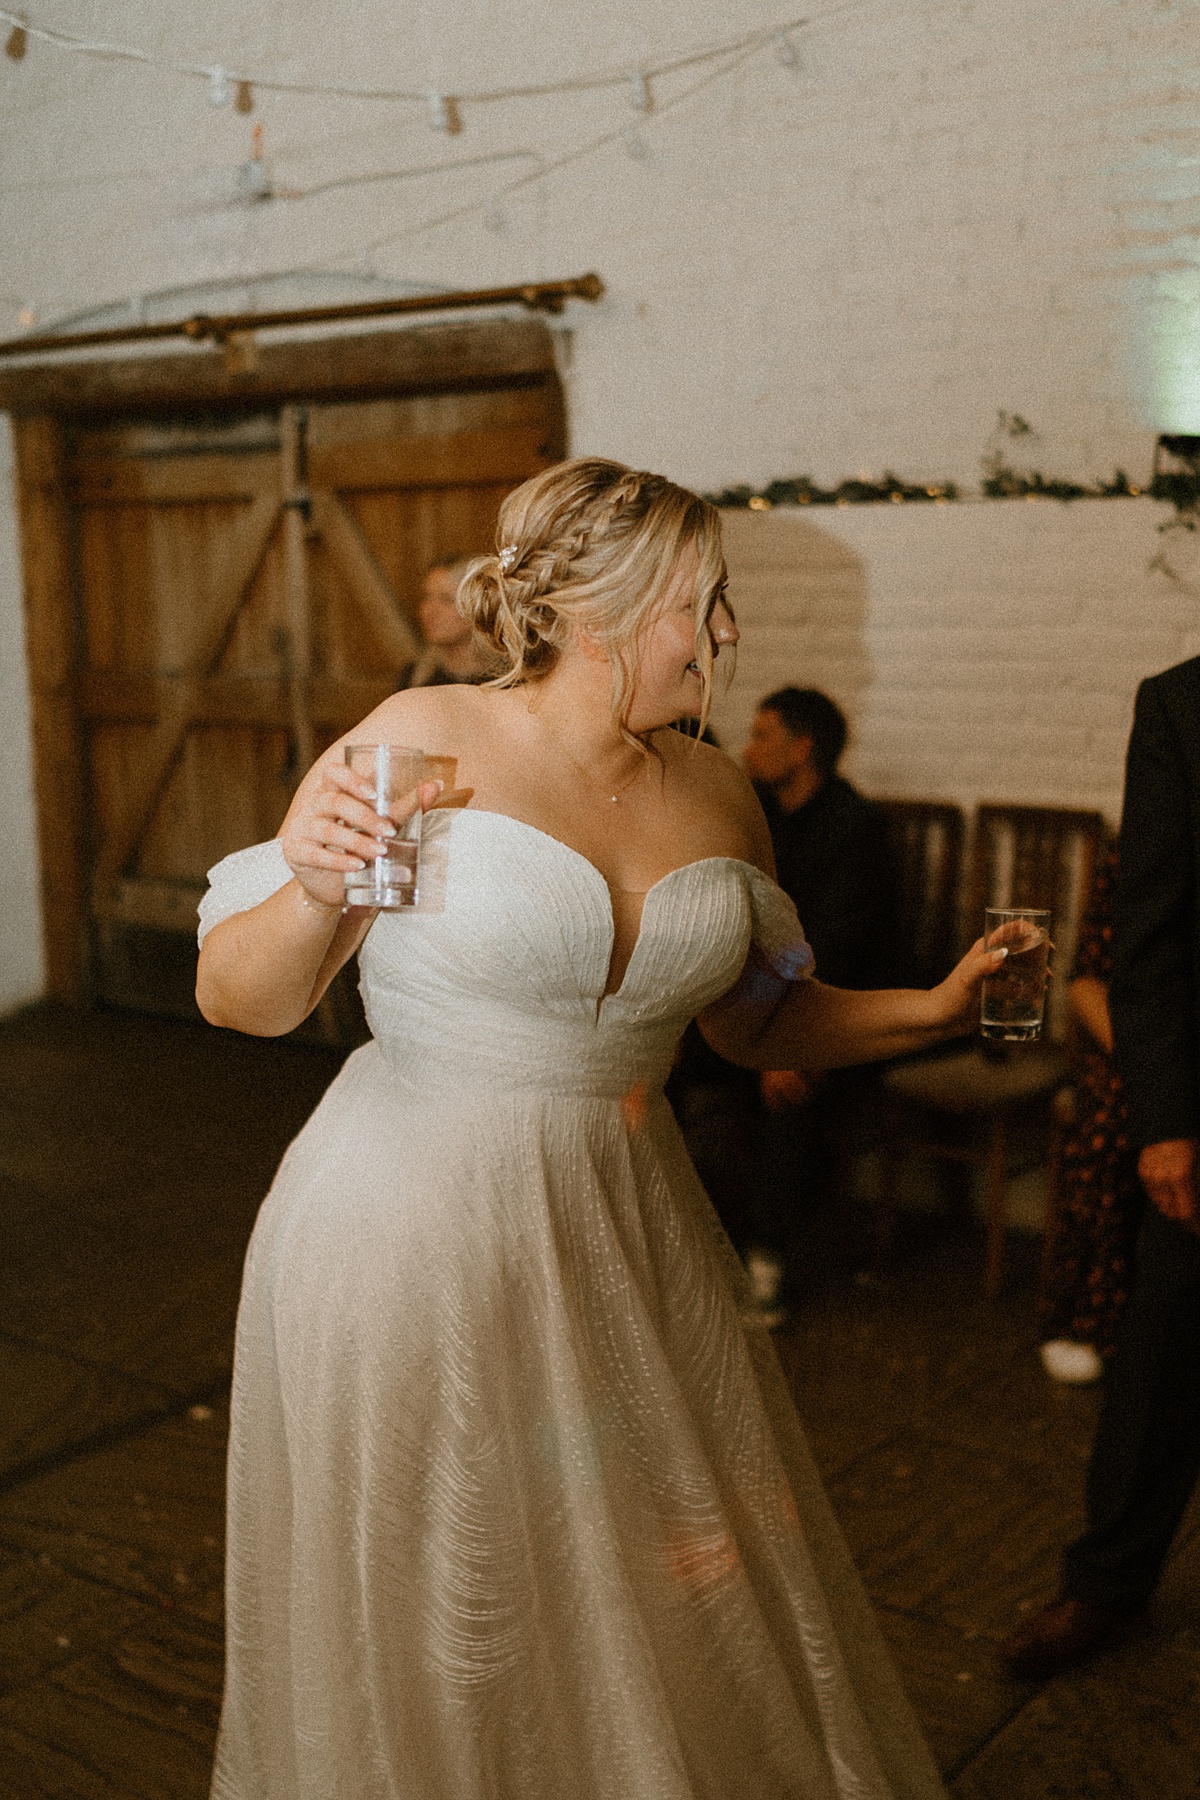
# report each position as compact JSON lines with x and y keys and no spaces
{"x":108,"y":51}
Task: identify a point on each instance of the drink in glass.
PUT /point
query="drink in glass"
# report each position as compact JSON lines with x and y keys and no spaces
{"x":390,"y":880}
{"x":1014,"y":996}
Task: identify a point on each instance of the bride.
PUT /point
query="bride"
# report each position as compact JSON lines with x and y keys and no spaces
{"x":519,"y":1508}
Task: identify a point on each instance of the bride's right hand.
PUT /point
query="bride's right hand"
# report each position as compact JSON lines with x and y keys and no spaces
{"x":332,"y":827}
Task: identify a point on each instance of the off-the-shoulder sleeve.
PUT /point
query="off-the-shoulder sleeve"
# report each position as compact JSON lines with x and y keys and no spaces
{"x":777,"y":929}
{"x":241,"y":881}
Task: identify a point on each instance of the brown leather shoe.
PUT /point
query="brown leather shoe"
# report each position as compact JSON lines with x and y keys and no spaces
{"x":1061,"y":1635}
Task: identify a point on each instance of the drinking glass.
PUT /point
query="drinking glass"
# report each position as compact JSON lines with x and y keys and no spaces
{"x":389,"y":880}
{"x":1014,"y":995}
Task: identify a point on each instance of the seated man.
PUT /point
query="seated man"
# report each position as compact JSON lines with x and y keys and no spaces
{"x":834,"y":857}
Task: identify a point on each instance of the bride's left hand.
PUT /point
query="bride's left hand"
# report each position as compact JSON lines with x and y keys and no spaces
{"x":955,"y":1002}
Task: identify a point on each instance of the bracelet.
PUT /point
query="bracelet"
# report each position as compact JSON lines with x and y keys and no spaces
{"x":318,"y":906}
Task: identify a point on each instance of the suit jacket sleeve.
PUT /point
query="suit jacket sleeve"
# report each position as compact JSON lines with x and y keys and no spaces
{"x":1153,"y":991}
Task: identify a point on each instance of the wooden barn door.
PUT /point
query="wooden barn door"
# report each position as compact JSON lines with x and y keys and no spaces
{"x":245,"y":591}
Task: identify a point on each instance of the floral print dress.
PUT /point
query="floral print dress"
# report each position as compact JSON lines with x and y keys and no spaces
{"x":1100,"y":1197}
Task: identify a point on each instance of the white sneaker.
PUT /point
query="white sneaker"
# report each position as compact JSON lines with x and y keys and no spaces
{"x":1076,"y":1364}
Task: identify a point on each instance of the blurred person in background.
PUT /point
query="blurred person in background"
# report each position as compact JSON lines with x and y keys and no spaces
{"x":451,"y":651}
{"x":834,"y":859}
{"x":1090,"y":1259}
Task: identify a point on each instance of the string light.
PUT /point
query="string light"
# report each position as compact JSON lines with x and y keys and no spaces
{"x":218,"y":86}
{"x":16,"y":43}
{"x":443,"y":113}
{"x":244,"y":101}
{"x":256,"y":184}
{"x":579,"y":153}
{"x":787,"y":53}
{"x":640,"y":97}
{"x":69,"y":41}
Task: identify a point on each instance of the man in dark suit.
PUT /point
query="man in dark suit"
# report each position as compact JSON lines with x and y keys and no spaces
{"x":1146,"y":1454}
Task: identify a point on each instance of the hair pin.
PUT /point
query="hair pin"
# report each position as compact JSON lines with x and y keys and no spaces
{"x":508,"y":557}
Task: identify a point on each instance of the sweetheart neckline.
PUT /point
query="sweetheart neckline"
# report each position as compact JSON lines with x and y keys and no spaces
{"x":699,"y":862}
{"x":484,"y":812}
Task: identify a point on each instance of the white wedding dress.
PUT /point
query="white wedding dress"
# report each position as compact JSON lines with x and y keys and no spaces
{"x":519,"y":1509}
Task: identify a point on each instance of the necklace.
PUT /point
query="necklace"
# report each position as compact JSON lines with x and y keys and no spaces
{"x":599,"y":786}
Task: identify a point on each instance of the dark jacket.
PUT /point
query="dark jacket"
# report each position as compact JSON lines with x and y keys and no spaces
{"x":834,"y":857}
{"x":1155,"y":991}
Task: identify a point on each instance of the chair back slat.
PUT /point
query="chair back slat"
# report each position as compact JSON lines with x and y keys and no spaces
{"x":927,"y":844}
{"x":1037,"y":856}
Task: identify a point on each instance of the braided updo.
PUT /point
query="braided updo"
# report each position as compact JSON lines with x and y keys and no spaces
{"x":590,"y":544}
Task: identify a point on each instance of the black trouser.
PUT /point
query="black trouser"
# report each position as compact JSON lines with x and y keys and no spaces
{"x":1146,"y":1455}
{"x":791,"y":1154}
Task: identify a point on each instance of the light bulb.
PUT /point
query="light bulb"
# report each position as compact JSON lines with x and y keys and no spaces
{"x":443,"y":113}
{"x":640,"y":97}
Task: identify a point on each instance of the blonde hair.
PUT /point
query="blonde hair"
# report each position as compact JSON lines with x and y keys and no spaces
{"x":589,"y":544}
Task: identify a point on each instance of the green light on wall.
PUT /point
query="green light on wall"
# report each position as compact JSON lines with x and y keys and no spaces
{"x":1170,"y":352}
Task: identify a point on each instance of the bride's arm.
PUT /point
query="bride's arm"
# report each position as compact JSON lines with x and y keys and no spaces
{"x":768,"y":1022}
{"x":264,"y":970}
{"x":765,"y":1022}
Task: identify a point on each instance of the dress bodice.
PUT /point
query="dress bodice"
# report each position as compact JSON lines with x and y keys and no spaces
{"x":498,"y":974}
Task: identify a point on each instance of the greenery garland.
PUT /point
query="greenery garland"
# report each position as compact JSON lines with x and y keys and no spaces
{"x":1180,"y":487}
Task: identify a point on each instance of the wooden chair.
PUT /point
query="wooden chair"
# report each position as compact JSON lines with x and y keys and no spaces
{"x":927,"y":842}
{"x":963,"y":1105}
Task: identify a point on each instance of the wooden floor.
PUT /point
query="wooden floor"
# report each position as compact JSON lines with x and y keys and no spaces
{"x":133,"y":1156}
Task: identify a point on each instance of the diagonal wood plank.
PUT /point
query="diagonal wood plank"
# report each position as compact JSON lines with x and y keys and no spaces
{"x":296,"y":586}
{"x":370,"y":588}
{"x":57,"y":741}
{"x":243,"y":550}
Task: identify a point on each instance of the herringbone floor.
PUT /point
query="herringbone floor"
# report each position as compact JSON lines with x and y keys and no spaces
{"x":133,"y":1155}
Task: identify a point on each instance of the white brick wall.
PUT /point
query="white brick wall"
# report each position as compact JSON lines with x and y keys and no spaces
{"x":952,"y":206}
{"x":982,"y":651}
